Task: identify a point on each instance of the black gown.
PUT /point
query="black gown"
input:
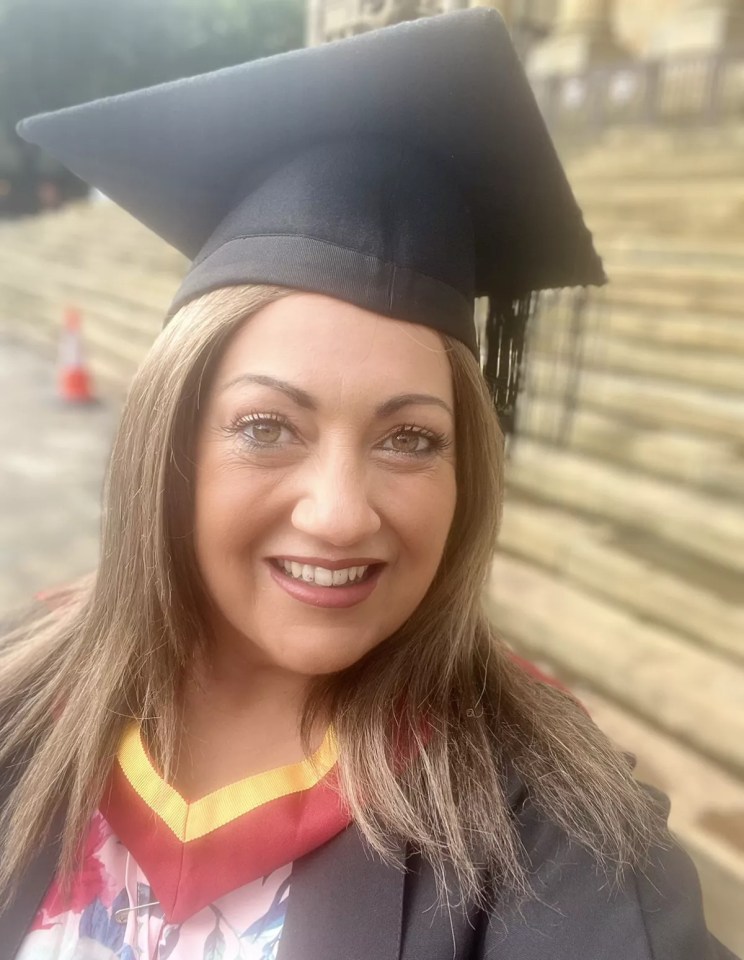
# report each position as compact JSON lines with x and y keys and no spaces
{"x":345,"y":904}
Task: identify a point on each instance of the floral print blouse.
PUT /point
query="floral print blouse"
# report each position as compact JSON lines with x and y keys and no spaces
{"x":163,"y":879}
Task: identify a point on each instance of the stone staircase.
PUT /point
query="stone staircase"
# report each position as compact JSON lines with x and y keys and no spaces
{"x":621,"y":561}
{"x":99,"y":260}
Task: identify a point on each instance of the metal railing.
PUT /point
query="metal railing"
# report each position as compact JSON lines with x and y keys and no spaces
{"x":687,"y":90}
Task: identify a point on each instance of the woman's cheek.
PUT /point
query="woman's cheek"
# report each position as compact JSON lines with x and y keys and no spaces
{"x":426,"y":496}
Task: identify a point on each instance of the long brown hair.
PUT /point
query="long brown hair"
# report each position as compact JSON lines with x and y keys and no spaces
{"x":123,"y":643}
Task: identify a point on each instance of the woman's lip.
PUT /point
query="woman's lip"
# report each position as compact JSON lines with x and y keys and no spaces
{"x":329,"y":564}
{"x":317,"y":596}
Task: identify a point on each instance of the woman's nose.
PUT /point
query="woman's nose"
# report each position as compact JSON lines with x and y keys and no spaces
{"x":334,"y":505}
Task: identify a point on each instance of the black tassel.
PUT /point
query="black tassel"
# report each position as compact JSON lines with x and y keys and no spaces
{"x":506,"y":330}
{"x":554,"y":327}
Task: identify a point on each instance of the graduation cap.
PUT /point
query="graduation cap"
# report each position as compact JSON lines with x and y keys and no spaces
{"x":406,"y":170}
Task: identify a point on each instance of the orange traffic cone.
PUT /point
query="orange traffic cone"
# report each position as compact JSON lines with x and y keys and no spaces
{"x":74,"y":383}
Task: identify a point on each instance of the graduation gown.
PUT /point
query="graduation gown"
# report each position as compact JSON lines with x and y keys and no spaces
{"x":345,"y":904}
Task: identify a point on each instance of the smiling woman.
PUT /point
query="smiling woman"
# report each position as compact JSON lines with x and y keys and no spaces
{"x":335,"y":453}
{"x":276,"y":724}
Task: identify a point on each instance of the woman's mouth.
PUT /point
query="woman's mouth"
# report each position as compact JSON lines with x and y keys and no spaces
{"x":321,"y":586}
{"x":323,"y":576}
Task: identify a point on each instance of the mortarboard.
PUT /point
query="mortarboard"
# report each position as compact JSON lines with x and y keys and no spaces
{"x":406,"y":170}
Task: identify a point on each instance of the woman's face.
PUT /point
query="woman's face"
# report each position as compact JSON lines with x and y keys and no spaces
{"x":325,"y":482}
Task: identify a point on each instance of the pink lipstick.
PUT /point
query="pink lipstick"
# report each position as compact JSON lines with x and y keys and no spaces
{"x":348,"y":595}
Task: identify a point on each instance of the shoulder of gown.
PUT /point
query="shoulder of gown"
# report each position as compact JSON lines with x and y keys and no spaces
{"x":578,"y":911}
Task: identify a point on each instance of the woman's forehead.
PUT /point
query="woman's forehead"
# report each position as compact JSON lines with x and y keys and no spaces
{"x":322,"y":341}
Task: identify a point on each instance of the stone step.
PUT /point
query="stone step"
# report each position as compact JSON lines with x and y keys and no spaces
{"x":605,"y":351}
{"x":125,"y":255}
{"x":718,"y":219}
{"x":82,"y":229}
{"x":590,"y":554}
{"x":620,"y":246}
{"x":684,"y":207}
{"x":703,"y":280}
{"x":642,"y":401}
{"x":709,"y":277}
{"x":709,"y":527}
{"x":697,"y":330}
{"x":710,"y":464}
{"x":606,"y":167}
{"x":643,"y":155}
{"x":136,"y":286}
{"x":622,"y":169}
{"x":693,"y":694}
{"x":662,"y":189}
{"x":634,"y":292}
{"x":719,"y":224}
{"x":672,"y":293}
{"x":701,"y":333}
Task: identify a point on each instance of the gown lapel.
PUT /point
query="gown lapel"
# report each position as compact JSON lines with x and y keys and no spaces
{"x":344,"y":903}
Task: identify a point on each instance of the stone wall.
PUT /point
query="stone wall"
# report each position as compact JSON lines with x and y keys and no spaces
{"x":621,"y":558}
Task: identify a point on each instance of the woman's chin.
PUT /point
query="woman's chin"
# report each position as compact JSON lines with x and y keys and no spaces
{"x":323,"y":659}
{"x":316,"y":652}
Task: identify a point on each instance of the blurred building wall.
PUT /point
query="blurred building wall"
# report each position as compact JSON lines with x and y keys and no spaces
{"x":636,"y":24}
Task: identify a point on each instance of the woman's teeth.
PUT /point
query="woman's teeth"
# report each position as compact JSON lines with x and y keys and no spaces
{"x":321,"y":575}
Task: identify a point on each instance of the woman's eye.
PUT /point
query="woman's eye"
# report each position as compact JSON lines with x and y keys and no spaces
{"x":409,"y":441}
{"x":264,"y":431}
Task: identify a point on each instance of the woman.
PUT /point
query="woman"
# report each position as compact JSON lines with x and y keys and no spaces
{"x":277,"y":722}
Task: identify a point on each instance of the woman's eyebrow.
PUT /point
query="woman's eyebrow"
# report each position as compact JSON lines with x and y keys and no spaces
{"x":300,"y":397}
{"x":303,"y":399}
{"x":394,"y":404}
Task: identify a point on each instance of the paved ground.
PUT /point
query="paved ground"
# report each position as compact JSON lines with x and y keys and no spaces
{"x":51,"y":471}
